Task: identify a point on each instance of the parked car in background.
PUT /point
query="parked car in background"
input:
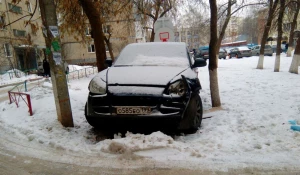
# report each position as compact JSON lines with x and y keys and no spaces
{"x":203,"y":52}
{"x":239,"y":52}
{"x":222,"y":54}
{"x":256,"y":49}
{"x":150,"y":84}
{"x":274,"y":47}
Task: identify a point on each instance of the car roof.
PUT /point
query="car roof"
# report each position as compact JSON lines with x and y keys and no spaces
{"x":160,"y":43}
{"x":243,"y":48}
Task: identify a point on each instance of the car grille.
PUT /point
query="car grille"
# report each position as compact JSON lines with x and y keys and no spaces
{"x":134,"y":101}
{"x":164,"y":105}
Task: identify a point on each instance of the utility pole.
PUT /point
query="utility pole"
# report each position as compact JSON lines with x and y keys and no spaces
{"x":53,"y":52}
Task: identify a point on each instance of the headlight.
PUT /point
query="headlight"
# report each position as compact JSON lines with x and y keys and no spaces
{"x":177,"y":88}
{"x":97,"y":86}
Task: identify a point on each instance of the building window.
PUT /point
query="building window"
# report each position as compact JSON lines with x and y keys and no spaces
{"x":2,"y":22}
{"x":91,"y":48}
{"x":14,"y":8}
{"x":29,"y":7}
{"x":21,"y":33}
{"x":87,"y":31}
{"x":106,"y":29}
{"x":7,"y":50}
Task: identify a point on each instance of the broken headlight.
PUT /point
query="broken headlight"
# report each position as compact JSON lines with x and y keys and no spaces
{"x":177,"y":88}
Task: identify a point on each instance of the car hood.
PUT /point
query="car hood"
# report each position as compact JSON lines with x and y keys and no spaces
{"x":142,"y":75}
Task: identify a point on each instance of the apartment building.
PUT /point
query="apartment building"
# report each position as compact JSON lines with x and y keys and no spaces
{"x":21,"y":43}
{"x":190,"y":36}
{"x":232,"y":30}
{"x":120,"y":31}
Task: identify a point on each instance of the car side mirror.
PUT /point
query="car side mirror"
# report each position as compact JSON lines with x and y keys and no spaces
{"x":199,"y":62}
{"x":108,"y":62}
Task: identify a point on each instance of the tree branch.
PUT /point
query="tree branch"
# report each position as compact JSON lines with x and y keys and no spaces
{"x":32,"y":13}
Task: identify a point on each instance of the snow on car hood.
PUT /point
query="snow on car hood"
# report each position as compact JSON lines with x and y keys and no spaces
{"x":142,"y":75}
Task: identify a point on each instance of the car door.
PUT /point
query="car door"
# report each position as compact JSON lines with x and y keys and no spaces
{"x":234,"y":52}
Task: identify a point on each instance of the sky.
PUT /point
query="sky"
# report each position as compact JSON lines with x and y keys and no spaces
{"x":251,"y":129}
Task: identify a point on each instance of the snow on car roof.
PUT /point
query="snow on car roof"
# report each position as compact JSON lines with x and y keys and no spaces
{"x":243,"y":48}
{"x":154,"y":54}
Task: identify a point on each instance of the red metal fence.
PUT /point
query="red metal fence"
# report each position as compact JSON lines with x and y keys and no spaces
{"x":16,"y":96}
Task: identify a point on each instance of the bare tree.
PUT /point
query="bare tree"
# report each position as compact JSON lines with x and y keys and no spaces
{"x":60,"y":86}
{"x":95,"y":12}
{"x":213,"y":67}
{"x":279,"y":37}
{"x":271,"y":12}
{"x":295,"y":7}
{"x":154,"y":9}
{"x":296,"y":58}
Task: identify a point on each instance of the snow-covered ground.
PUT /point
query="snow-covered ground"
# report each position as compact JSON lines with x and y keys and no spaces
{"x":10,"y":76}
{"x":251,"y":129}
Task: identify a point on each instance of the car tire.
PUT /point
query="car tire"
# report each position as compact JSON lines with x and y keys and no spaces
{"x":192,"y":117}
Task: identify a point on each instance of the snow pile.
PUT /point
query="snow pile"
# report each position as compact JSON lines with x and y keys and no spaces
{"x":137,"y":142}
{"x":10,"y":77}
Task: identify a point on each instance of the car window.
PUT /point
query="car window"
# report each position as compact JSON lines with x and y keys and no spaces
{"x":268,"y":47}
{"x":150,"y":54}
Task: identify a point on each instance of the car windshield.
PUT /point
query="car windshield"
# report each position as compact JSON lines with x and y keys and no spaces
{"x":268,"y":47}
{"x":153,"y":54}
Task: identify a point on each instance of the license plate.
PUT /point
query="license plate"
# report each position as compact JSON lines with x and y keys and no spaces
{"x":133,"y":110}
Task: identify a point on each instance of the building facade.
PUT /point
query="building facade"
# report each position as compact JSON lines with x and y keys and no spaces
{"x":190,"y":36}
{"x":21,"y":43}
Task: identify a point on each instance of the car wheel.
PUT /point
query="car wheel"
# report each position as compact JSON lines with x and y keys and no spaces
{"x":192,"y":117}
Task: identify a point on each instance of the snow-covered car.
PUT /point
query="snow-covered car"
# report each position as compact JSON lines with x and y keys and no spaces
{"x":149,"y":82}
{"x":239,"y":52}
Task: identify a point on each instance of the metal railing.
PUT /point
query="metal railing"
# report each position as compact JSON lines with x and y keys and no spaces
{"x":76,"y":74}
{"x":17,"y":92}
{"x":16,"y":96}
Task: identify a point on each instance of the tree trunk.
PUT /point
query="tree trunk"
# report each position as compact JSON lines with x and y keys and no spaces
{"x":152,"y":34}
{"x":109,"y":49}
{"x":223,"y":30}
{"x":272,"y":8}
{"x":279,"y":37}
{"x":93,"y":15}
{"x":293,"y":25}
{"x":213,"y":67}
{"x":58,"y":76}
{"x":296,"y":59}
